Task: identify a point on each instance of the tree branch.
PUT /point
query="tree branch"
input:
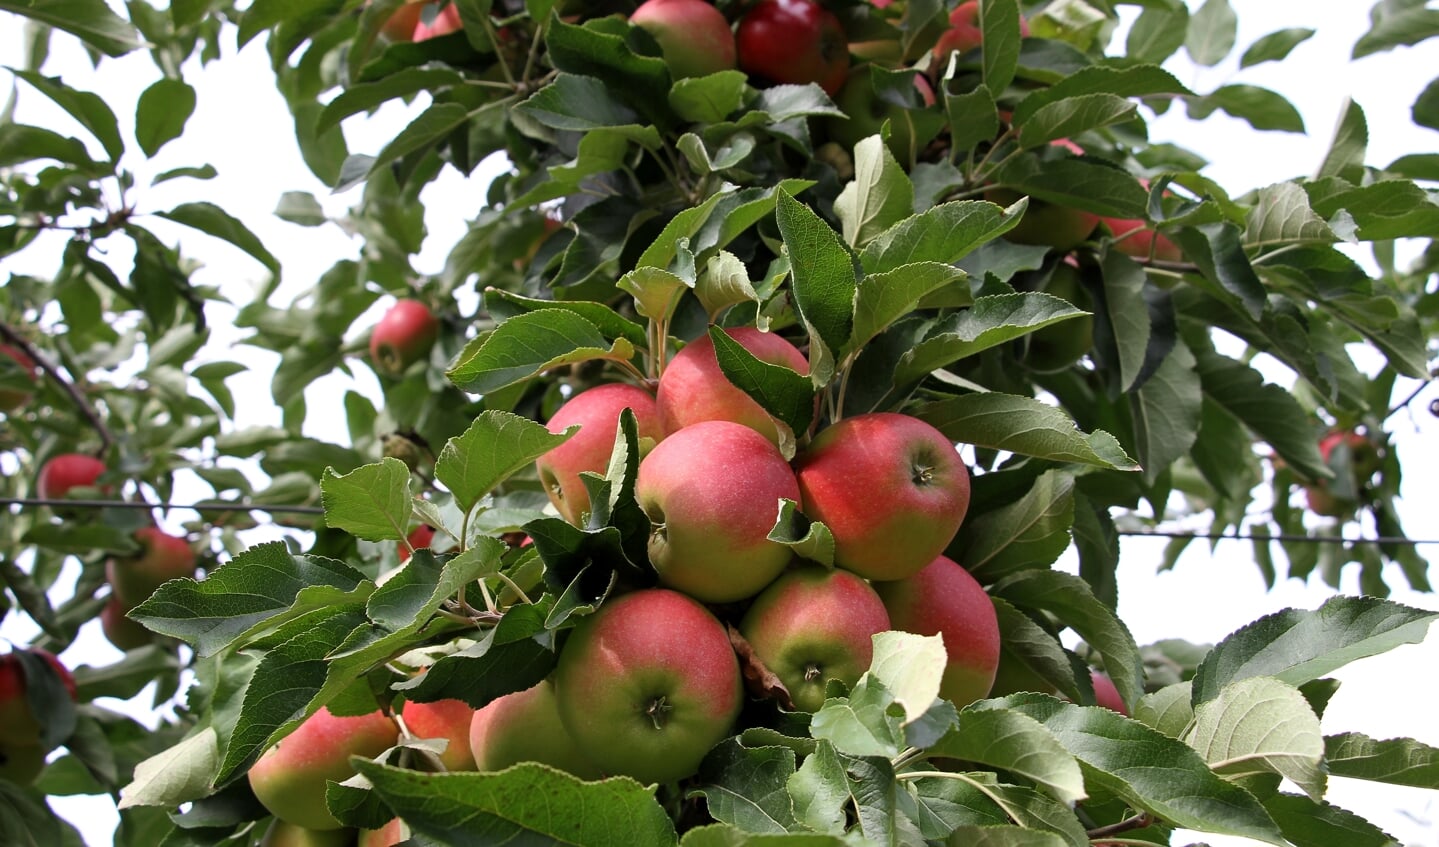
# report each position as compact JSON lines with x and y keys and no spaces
{"x":86,"y":410}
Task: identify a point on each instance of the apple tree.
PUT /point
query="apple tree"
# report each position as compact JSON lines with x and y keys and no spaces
{"x":948,"y":214}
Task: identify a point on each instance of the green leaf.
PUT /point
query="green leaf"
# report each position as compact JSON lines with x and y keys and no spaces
{"x":1275,"y":46}
{"x":1396,"y":23}
{"x":1345,"y":158}
{"x":20,"y":143}
{"x":1259,"y":107}
{"x":1166,"y":412}
{"x":1211,"y":33}
{"x":430,"y":128}
{"x":1025,"y":426}
{"x":300,"y":207}
{"x":1396,"y":761}
{"x":1309,"y":824}
{"x":1283,"y":215}
{"x":1217,"y":250}
{"x":514,"y":656}
{"x":267,"y":14}
{"x":505,"y":304}
{"x":1014,"y":742}
{"x":212,"y":220}
{"x":825,"y":274}
{"x":1167,"y":710}
{"x":1133,"y":81}
{"x":991,"y":321}
{"x":708,"y":99}
{"x":1148,"y":770}
{"x":1074,"y":182}
{"x":787,"y":395}
{"x":910,"y":667}
{"x":1268,"y":410}
{"x":530,"y":344}
{"x":820,"y":790}
{"x":1261,"y":725}
{"x":161,"y":113}
{"x":1031,"y":532}
{"x":1157,"y":34}
{"x":371,"y":502}
{"x":999,"y":21}
{"x":747,"y":787}
{"x":945,"y":234}
{"x":861,"y":724}
{"x":366,"y":96}
{"x":724,"y":835}
{"x":176,"y":775}
{"x":1004,"y":835}
{"x":1295,"y":646}
{"x":1075,"y":115}
{"x":89,"y":109}
{"x":879,"y":196}
{"x":657,"y":292}
{"x":89,"y":20}
{"x":1128,"y":314}
{"x":491,"y":449}
{"x":979,"y":800}
{"x":808,"y":539}
{"x":886,"y":296}
{"x":258,"y":589}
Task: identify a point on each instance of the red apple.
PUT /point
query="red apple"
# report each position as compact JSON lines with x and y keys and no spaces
{"x":284,"y":834}
{"x":403,"y":336}
{"x":12,"y":399}
{"x":22,"y":755}
{"x":1105,"y":693}
{"x":964,"y":34}
{"x":400,"y":25}
{"x":597,"y":411}
{"x":814,"y":624}
{"x":447,"y":719}
{"x":419,"y":538}
{"x":693,"y":388}
{"x":289,"y":779}
{"x":712,"y":491}
{"x":693,"y":34}
{"x":891,"y":488}
{"x":123,"y":632}
{"x":388,"y":835}
{"x":446,"y":21}
{"x":648,"y":684}
{"x":794,"y":42}
{"x":67,"y":471}
{"x":162,"y":557}
{"x":1144,"y":243}
{"x":525,"y":727}
{"x":944,"y":599}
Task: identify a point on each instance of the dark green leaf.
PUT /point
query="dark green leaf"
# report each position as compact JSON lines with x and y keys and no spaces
{"x":212,"y":220}
{"x":371,"y":502}
{"x":1031,"y":532}
{"x":1396,"y":761}
{"x":1267,"y":409}
{"x":1309,"y":824}
{"x":161,"y":113}
{"x":89,"y":20}
{"x":529,"y":344}
{"x":494,"y":447}
{"x":1259,"y":107}
{"x":787,"y":395}
{"x":748,"y":786}
{"x":999,"y":22}
{"x":945,"y":233}
{"x":1133,"y":81}
{"x":826,"y":275}
{"x":1157,"y":34}
{"x":1025,"y":426}
{"x":1017,"y":743}
{"x":87,"y":108}
{"x":1275,"y":46}
{"x":1396,"y":23}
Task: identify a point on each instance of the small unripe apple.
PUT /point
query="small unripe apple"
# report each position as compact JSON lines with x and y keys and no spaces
{"x":285,"y":834}
{"x":66,"y":471}
{"x":648,"y":684}
{"x":891,"y":488}
{"x":794,"y":42}
{"x":22,"y":754}
{"x":712,"y":492}
{"x":290,"y":778}
{"x":446,"y":21}
{"x":121,"y":631}
{"x":945,"y":599}
{"x":814,"y":624}
{"x":447,"y":719}
{"x":693,"y":388}
{"x":525,"y":726}
{"x":693,"y":34}
{"x":597,"y":412}
{"x":162,"y":557}
{"x":12,"y":399}
{"x":403,"y":336}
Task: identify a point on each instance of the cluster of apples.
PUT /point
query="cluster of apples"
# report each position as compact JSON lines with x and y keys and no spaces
{"x":22,"y":747}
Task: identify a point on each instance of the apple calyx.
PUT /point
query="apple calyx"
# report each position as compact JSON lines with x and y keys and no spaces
{"x":658,"y":711}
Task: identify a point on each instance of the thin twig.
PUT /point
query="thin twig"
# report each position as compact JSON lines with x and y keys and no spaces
{"x":11,"y":336}
{"x":1139,"y":821}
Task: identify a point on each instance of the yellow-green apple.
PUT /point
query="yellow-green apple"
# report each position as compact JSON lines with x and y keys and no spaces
{"x":419,"y":538}
{"x":119,"y":630}
{"x":1133,"y":237}
{"x":1105,"y":692}
{"x":648,"y":684}
{"x":597,"y":412}
{"x":525,"y":726}
{"x":447,"y":719}
{"x":693,"y":388}
{"x":446,"y":21}
{"x":891,"y":488}
{"x":1054,"y":348}
{"x":964,"y":34}
{"x":814,"y":624}
{"x":712,"y":492}
{"x":13,"y":398}
{"x":404,"y":335}
{"x":1047,"y":224}
{"x":162,"y":557}
{"x":22,"y":753}
{"x":866,"y":113}
{"x":794,"y":42}
{"x":945,"y":599}
{"x":66,"y":471}
{"x":285,"y":834}
{"x":694,"y":36}
{"x":290,"y":778}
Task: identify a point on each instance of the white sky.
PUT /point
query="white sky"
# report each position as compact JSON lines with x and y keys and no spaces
{"x":242,"y":127}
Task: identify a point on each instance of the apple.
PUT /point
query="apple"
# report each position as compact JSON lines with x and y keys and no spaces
{"x":445,"y":22}
{"x":1105,"y":692}
{"x":814,"y":624}
{"x":22,"y":755}
{"x":867,"y":113}
{"x":447,"y":719}
{"x":692,"y":387}
{"x":1364,"y":458}
{"x":964,"y":34}
{"x":648,"y":684}
{"x":794,"y":42}
{"x":1322,"y":497}
{"x":12,"y":399}
{"x":525,"y":726}
{"x":400,"y":25}
{"x":404,"y":335}
{"x":392,"y":833}
{"x":289,"y":779}
{"x":891,"y":488}
{"x":285,"y":834}
{"x":419,"y":538}
{"x":1054,"y":348}
{"x":712,"y":492}
{"x":1144,"y":243}
{"x":162,"y":557}
{"x":67,"y":471}
{"x":121,"y":631}
{"x":693,"y":34}
{"x":1047,"y":224}
{"x":597,"y":412}
{"x":945,"y":599}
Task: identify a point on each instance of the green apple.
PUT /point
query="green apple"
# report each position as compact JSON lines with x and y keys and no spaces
{"x":814,"y":624}
{"x":290,"y":778}
{"x":597,"y":412}
{"x":945,"y":599}
{"x":712,"y":492}
{"x":121,"y":631}
{"x":694,"y":36}
{"x":285,"y":834}
{"x":404,"y":334}
{"x":388,"y":835}
{"x":866,"y":113}
{"x":891,"y":488}
{"x":1054,"y":348}
{"x":162,"y":557}
{"x":447,"y":719}
{"x":648,"y":684}
{"x":525,"y":727}
{"x":692,"y":387}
